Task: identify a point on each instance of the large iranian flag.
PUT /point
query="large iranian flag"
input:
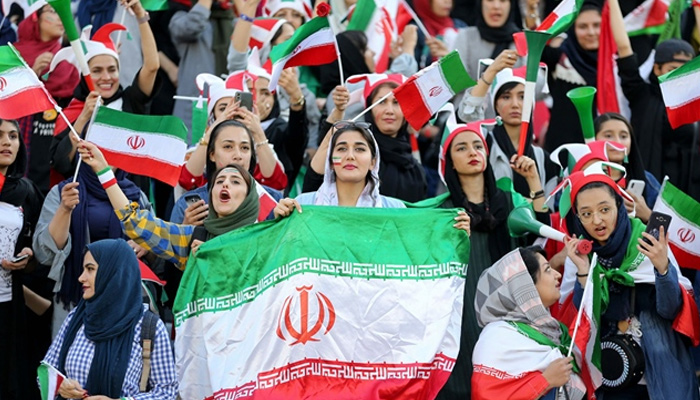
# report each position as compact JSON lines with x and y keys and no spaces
{"x":21,"y":91}
{"x":561,"y":18}
{"x":684,"y":232}
{"x":311,"y":307}
{"x":312,"y":44}
{"x":423,"y":94}
{"x":147,"y":145}
{"x":681,"y":93}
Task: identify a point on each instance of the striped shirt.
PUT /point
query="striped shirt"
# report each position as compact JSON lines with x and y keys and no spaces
{"x":162,"y":379}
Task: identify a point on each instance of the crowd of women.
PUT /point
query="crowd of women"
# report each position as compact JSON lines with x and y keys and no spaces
{"x":77,"y":234}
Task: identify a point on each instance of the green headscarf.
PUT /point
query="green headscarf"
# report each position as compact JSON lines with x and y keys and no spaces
{"x":245,"y":214}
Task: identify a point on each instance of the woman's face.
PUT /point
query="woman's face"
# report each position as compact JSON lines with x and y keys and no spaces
{"x":616,"y":131}
{"x":468,"y":153}
{"x":104,"y":71}
{"x":587,"y":28}
{"x":548,"y":282}
{"x":495,"y":12}
{"x":287,"y":32}
{"x":291,"y":15}
{"x":352,"y":157}
{"x":441,"y":8}
{"x":220,"y":106}
{"x":597,"y":210}
{"x":9,"y":145}
{"x":387,"y":114}
{"x":228,"y":192}
{"x":510,"y":105}
{"x":232,"y":146}
{"x":50,"y":25}
{"x":87,"y":278}
{"x":264,"y":99}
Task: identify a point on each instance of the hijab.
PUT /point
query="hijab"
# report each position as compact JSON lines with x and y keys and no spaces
{"x":96,"y":13}
{"x":352,"y":46}
{"x":245,"y":214}
{"x":327,"y":194}
{"x":502,"y":36}
{"x":585,"y":62}
{"x":434,"y":24}
{"x":93,"y":201}
{"x":64,"y":78}
{"x":15,"y":189}
{"x":109,"y":317}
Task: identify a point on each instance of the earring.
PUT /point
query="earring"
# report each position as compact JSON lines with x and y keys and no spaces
{"x":267,"y":105}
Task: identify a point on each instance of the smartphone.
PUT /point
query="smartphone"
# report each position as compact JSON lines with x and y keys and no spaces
{"x":245,"y":99}
{"x":636,"y":186}
{"x":192,"y":198}
{"x":656,"y":221}
{"x":19,"y":258}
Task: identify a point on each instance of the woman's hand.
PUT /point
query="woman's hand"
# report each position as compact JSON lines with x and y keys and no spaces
{"x":252,"y":121}
{"x":71,"y":389}
{"x":525,"y":167}
{"x":90,"y":103}
{"x":558,"y":372}
{"x":642,"y":211}
{"x":195,"y":245}
{"x":247,"y":7}
{"x":42,"y":62}
{"x":506,"y":59}
{"x":195,"y":213}
{"x":290,"y":83}
{"x":70,"y":196}
{"x":9,"y":265}
{"x":92,"y":156}
{"x":409,"y":39}
{"x":657,"y":251}
{"x":580,"y":260}
{"x":438,"y":48}
{"x":138,"y":250}
{"x":463,"y":222}
{"x":285,"y":207}
{"x":134,"y":6}
{"x":341,"y":98}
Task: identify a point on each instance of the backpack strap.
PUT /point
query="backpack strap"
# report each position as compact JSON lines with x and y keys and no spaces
{"x":148,"y":334}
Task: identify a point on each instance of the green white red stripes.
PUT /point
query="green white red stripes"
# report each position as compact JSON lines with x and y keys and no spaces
{"x":312,"y":44}
{"x":374,"y":19}
{"x":141,"y":144}
{"x":684,"y":232}
{"x":49,"y":381}
{"x":561,"y":18}
{"x":423,"y":94}
{"x":681,"y":93}
{"x":647,"y":19}
{"x":335,"y":311}
{"x":21,"y":92}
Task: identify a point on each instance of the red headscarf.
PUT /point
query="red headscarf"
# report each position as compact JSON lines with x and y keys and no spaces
{"x":63,"y":80}
{"x":434,"y":24}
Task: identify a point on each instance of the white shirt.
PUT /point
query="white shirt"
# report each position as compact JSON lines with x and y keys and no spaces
{"x":11,"y":221}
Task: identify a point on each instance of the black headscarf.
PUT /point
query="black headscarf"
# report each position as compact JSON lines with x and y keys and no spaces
{"x":501,"y":36}
{"x":15,"y":190}
{"x":584,"y":61}
{"x":352,"y":45}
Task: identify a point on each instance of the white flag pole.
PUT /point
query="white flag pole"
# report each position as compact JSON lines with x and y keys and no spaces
{"x":337,"y":52}
{"x":92,"y":119}
{"x":119,"y":33}
{"x":372,"y":106}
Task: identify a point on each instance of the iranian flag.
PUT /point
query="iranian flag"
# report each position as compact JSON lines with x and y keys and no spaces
{"x":306,"y":308}
{"x":684,"y":232}
{"x":561,"y":18}
{"x":647,"y":19}
{"x":681,"y":93}
{"x":49,"y":381}
{"x":423,"y":94}
{"x":312,"y":44}
{"x":28,"y":6}
{"x":141,"y":144}
{"x":374,"y":19}
{"x":267,"y":203}
{"x":21,"y":91}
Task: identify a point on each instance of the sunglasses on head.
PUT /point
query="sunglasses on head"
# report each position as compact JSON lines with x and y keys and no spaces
{"x":352,"y":124}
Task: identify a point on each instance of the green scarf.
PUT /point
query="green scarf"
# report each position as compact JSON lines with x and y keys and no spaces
{"x":633,"y":258}
{"x":539,"y":337}
{"x":245,"y":214}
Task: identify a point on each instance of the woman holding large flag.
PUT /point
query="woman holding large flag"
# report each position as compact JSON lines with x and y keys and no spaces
{"x":20,"y":204}
{"x":98,"y":349}
{"x":233,"y":200}
{"x":103,"y":61}
{"x":520,"y":352}
{"x":641,"y":294}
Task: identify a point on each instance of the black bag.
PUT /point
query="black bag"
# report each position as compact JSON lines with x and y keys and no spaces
{"x":148,"y":336}
{"x":622,"y":362}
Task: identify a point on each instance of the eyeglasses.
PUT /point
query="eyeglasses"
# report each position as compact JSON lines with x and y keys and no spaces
{"x":587,"y":216}
{"x":352,"y":124}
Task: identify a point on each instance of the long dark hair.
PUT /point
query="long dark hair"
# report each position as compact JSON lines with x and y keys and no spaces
{"x":211,"y":165}
{"x":529,"y":255}
{"x":19,"y":166}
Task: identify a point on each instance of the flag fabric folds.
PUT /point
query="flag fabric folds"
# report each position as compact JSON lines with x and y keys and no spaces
{"x":312,"y":44}
{"x":336,"y":309}
{"x":684,"y":232}
{"x":49,"y":381}
{"x":647,"y":19}
{"x":561,"y":18}
{"x":424,"y":93}
{"x":21,"y":91}
{"x":141,"y":144}
{"x":681,"y":93}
